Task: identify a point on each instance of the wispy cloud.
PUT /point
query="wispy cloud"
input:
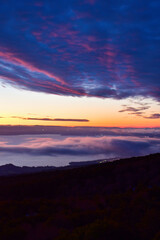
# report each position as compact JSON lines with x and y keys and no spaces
{"x":153,"y":116}
{"x":136,"y":110}
{"x":133,"y":110}
{"x":140,"y":111}
{"x":87,"y":48}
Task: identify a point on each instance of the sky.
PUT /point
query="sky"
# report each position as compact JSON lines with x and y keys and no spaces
{"x":80,"y":63}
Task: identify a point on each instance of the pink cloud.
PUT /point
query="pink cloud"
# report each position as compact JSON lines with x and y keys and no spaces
{"x":15,"y":60}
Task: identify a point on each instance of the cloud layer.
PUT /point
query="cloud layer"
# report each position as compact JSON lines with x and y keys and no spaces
{"x":79,"y":131}
{"x":85,"y":146}
{"x":81,"y":48}
{"x":117,"y":142}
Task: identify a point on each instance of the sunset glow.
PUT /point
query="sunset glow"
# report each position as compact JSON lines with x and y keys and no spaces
{"x":18,"y":105}
{"x":89,"y":65}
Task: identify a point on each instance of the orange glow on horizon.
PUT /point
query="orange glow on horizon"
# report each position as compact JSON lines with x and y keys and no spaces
{"x":18,"y":104}
{"x":112,"y":122}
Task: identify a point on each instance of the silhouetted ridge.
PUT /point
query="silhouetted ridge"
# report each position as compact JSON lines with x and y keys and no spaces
{"x":115,"y":200}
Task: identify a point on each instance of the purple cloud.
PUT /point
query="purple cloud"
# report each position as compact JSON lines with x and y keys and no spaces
{"x":79,"y":131}
{"x":154,"y":116}
{"x":140,"y":111}
{"x":52,"y":119}
{"x":87,"y":48}
{"x":81,"y":146}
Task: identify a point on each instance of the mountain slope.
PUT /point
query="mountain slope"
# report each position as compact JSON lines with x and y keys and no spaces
{"x":113,"y":200}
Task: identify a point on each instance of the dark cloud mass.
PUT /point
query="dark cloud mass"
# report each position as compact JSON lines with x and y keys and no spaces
{"x":53,"y":119}
{"x":70,"y":120}
{"x":81,"y":48}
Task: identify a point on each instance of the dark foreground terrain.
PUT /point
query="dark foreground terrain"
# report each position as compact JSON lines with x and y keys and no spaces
{"x":109,"y":201}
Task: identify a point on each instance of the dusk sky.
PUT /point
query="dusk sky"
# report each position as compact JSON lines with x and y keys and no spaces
{"x":80,"y":63}
{"x":79,"y":119}
{"x":79,"y":80}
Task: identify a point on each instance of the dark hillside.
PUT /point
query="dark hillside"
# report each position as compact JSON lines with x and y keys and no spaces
{"x":116,"y":200}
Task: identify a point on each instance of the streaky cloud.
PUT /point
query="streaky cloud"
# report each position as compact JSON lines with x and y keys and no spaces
{"x":78,"y":131}
{"x":53,"y":119}
{"x":140,"y":111}
{"x":153,"y":116}
{"x":89,"y":48}
{"x":70,"y":120}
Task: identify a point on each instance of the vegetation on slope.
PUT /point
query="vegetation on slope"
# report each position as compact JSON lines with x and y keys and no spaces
{"x":118,"y":200}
